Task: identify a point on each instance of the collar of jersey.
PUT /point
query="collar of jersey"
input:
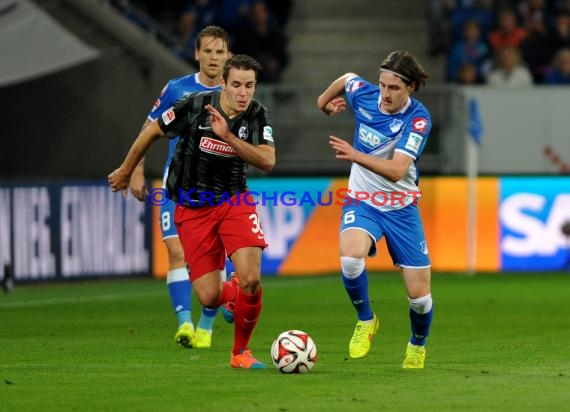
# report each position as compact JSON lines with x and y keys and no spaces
{"x":408,"y":103}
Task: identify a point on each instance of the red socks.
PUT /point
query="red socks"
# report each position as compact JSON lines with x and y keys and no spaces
{"x":229,"y":292}
{"x":246,"y":313}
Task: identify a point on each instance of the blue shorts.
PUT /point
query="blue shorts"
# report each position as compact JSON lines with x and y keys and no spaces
{"x":402,"y":228}
{"x":167,"y":220}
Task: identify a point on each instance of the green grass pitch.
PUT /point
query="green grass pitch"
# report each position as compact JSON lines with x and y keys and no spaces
{"x":498,"y":342}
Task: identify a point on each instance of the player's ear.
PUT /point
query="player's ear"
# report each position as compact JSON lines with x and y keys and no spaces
{"x":197,"y":55}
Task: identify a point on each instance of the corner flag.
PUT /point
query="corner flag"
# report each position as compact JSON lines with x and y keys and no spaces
{"x":475,"y":126}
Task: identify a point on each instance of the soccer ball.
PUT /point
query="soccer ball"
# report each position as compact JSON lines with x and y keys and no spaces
{"x":294,"y":352}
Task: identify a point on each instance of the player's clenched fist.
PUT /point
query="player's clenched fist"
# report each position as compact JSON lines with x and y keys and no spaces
{"x":119,"y":180}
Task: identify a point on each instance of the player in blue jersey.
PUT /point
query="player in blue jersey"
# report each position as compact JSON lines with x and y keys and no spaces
{"x":212,"y":52}
{"x":391,"y":129}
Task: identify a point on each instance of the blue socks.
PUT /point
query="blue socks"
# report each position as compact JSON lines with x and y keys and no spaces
{"x":421,"y":313}
{"x":207,"y":318}
{"x":180,"y":288}
{"x":357,"y":289}
{"x":184,"y":316}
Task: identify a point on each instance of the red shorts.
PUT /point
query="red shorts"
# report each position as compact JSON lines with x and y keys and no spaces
{"x":209,"y":233}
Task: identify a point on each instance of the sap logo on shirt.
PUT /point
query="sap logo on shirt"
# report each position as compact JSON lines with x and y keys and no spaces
{"x":370,"y":137}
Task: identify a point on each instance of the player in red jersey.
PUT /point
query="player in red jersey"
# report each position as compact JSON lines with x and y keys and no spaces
{"x":221,"y":133}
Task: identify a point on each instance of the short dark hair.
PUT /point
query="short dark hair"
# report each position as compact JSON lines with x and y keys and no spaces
{"x":403,"y":63}
{"x":212,"y":31}
{"x":242,"y":62}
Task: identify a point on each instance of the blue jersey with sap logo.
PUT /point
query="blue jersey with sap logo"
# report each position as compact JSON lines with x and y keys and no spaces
{"x":174,"y":90}
{"x":381,"y":134}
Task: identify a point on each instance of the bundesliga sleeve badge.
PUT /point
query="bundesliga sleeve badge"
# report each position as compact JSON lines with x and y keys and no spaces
{"x":168,"y":116}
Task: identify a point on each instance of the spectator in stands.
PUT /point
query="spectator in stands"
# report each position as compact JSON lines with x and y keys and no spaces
{"x":534,"y":49}
{"x":281,"y":10}
{"x":468,"y":74}
{"x":263,"y":40}
{"x":531,"y":11}
{"x":196,"y":15}
{"x":559,"y":73}
{"x":559,"y":35}
{"x":507,"y":33}
{"x":508,"y":70}
{"x":478,"y":10}
{"x":234,"y":14}
{"x":471,"y":50}
{"x":562,"y":5}
{"x":440,"y":37}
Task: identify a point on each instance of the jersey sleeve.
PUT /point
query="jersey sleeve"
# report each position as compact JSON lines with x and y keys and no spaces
{"x":165,"y":100}
{"x":354,"y":88}
{"x":175,"y":118}
{"x":261,"y":126}
{"x":266,"y":129}
{"x":415,"y":134}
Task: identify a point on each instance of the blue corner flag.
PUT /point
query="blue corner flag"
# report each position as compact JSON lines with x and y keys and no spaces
{"x":475,"y":126}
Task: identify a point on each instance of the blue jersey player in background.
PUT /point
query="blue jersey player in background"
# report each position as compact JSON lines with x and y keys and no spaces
{"x":391,"y":129}
{"x":212,"y":52}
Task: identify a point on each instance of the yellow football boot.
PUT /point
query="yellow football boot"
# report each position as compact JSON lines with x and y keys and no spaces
{"x":415,"y":357}
{"x":185,"y":335}
{"x":362,"y":337}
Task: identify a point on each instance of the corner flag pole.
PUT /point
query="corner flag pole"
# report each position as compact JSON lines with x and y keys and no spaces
{"x":475,"y":131}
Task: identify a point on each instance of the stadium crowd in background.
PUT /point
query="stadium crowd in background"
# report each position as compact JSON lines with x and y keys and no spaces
{"x":473,"y":35}
{"x":256,"y":27}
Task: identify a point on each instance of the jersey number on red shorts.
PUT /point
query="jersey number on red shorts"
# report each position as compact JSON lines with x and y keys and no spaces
{"x":256,"y":226}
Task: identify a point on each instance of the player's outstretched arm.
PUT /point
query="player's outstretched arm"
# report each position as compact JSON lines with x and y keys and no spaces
{"x":120,"y":178}
{"x":138,"y":182}
{"x":330,"y":101}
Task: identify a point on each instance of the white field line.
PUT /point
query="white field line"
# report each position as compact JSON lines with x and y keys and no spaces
{"x":78,"y":299}
{"x":116,"y":296}
{"x":93,"y":366}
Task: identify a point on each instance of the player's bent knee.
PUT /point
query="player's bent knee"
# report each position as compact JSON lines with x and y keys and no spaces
{"x":250,"y":283}
{"x":352,"y":267}
{"x":354,"y":252}
{"x":209,"y":299}
{"x":421,"y":305}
